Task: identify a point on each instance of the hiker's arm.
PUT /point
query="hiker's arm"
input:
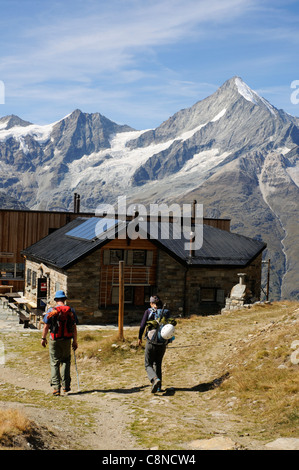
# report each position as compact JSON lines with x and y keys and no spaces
{"x":142,"y":327}
{"x":44,"y":335}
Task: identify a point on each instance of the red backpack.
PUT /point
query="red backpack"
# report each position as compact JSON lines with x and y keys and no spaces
{"x":62,"y":322}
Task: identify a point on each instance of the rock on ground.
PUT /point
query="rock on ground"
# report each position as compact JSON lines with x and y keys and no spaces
{"x":284,"y":443}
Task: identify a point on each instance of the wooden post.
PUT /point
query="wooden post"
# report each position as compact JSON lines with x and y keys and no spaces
{"x":121,"y":302}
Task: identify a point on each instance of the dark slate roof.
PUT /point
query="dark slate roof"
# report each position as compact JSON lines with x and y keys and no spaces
{"x":58,"y":249}
{"x":72,"y":242}
{"x":219,"y":248}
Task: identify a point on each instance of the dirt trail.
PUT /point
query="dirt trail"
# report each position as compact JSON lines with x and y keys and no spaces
{"x":110,"y":422}
{"x":109,"y":407}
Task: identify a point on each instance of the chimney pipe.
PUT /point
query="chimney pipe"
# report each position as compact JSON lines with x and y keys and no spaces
{"x":76,"y":203}
{"x":194,"y":210}
{"x":192,"y":239}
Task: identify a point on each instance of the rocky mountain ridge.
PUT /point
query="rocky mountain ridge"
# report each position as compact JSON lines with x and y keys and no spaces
{"x":233,"y":152}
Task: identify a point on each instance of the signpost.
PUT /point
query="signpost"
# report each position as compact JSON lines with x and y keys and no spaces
{"x":121,"y":302}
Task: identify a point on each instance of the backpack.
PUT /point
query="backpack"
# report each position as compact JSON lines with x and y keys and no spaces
{"x":154,"y":326}
{"x":62,"y":322}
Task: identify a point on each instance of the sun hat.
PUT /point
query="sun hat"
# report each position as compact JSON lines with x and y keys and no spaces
{"x":60,"y":295}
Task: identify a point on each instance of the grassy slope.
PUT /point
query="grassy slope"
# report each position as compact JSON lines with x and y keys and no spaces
{"x":227,"y":374}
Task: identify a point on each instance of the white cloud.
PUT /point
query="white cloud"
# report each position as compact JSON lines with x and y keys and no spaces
{"x":76,"y":48}
{"x":63,"y":55}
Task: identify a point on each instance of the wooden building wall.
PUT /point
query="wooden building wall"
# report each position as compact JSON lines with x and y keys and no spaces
{"x":20,"y":229}
{"x":134,"y":275}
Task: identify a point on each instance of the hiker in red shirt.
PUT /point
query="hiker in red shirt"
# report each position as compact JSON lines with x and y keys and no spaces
{"x":61,"y":321}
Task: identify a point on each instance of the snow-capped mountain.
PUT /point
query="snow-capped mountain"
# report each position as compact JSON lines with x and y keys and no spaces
{"x":233,"y":152}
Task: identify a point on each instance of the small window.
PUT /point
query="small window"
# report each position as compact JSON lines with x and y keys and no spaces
{"x":139,"y":257}
{"x":33,"y":279}
{"x":148,"y":292}
{"x":7,"y":270}
{"x":220,"y":296}
{"x":12,"y":270}
{"x":128,"y":295}
{"x":29,"y":274}
{"x":211,"y":294}
{"x":116,"y":256}
{"x":136,"y":257}
{"x":207,"y":294}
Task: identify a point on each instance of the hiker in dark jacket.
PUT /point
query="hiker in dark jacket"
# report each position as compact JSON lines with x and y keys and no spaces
{"x":60,"y":344}
{"x":154,"y":351}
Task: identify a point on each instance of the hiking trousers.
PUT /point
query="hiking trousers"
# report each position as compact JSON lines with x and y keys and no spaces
{"x":60,"y":363}
{"x":153,"y":357}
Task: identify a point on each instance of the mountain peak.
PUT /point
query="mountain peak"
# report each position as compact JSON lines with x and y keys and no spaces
{"x":250,"y":95}
{"x":246,"y":91}
{"x":14,"y":121}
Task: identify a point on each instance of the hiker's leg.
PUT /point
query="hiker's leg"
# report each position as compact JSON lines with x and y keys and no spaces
{"x":54,"y":364}
{"x":159,"y":354}
{"x":149,"y":361}
{"x":66,"y":363}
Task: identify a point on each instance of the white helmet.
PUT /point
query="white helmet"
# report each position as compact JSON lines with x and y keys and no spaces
{"x":167,"y":331}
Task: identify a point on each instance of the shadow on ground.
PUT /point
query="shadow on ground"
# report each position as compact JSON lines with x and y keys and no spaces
{"x":203,"y":387}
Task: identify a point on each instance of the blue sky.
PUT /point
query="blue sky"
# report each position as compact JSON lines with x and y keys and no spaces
{"x":138,"y":62}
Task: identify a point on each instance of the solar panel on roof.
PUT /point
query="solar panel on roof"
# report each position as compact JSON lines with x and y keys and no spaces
{"x":92,"y":228}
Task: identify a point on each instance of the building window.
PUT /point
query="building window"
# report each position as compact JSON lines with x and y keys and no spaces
{"x":220,"y":298}
{"x":207,"y":294}
{"x":139,"y":257}
{"x":116,"y":256}
{"x":29,"y":274}
{"x":135,"y":257}
{"x":135,"y":295}
{"x":34,"y":279}
{"x":130,"y":257}
{"x":148,"y":292}
{"x":11,"y":271}
{"x":211,"y":294}
{"x":128,"y":295}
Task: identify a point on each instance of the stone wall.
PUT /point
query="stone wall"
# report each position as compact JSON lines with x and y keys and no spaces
{"x":83,"y":287}
{"x":171,"y":282}
{"x":180,"y":287}
{"x":80,"y":283}
{"x":55,"y":280}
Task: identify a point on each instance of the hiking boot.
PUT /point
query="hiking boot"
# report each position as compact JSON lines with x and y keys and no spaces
{"x":66,"y":390}
{"x":56,"y":393}
{"x":156,"y":385}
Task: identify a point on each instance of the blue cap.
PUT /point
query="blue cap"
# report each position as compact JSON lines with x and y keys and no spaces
{"x":60,"y":295}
